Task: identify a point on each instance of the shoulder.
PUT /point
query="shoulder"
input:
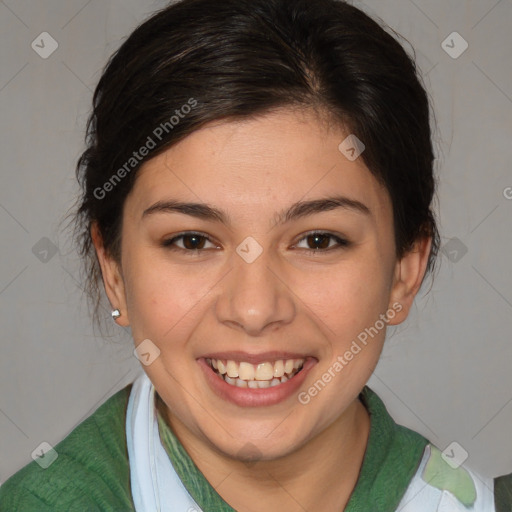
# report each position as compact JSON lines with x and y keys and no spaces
{"x":503,"y":493}
{"x":90,"y":470}
{"x":443,"y":482}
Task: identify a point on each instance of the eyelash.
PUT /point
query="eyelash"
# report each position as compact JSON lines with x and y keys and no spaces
{"x":169,"y":244}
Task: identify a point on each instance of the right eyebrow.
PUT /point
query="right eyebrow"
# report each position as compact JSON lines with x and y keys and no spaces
{"x":199,"y":210}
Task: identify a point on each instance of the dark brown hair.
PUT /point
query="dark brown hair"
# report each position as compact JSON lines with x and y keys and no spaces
{"x":197,"y":61}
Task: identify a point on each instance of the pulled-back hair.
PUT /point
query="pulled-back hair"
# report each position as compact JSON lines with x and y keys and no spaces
{"x":198,"y":61}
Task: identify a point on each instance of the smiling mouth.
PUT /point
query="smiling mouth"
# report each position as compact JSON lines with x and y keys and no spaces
{"x":256,"y":376}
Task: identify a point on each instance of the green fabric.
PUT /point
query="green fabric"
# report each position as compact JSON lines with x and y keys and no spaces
{"x":194,"y":481}
{"x":503,"y":493}
{"x":441,"y":475}
{"x":92,"y":471}
{"x":392,"y":457}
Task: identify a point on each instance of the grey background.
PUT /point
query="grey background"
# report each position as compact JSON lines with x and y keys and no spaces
{"x":446,"y":373}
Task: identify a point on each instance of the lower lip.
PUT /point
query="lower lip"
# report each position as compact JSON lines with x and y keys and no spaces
{"x":249,"y":397}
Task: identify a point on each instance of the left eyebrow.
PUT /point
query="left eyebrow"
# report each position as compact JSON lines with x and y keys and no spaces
{"x":306,"y":208}
{"x":295,"y":211}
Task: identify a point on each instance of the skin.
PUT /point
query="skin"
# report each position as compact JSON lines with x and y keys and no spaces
{"x":313,"y":303}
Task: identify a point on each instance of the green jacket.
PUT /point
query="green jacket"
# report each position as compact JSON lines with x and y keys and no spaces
{"x":91,"y":471}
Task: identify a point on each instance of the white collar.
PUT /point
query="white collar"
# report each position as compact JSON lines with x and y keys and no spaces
{"x":155,"y":484}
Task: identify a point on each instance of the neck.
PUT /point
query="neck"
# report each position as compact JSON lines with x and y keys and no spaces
{"x":320,"y":475}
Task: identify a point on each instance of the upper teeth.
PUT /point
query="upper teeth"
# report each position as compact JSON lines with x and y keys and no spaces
{"x":262,"y":371}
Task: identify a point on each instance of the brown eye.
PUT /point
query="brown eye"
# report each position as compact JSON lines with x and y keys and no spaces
{"x":189,"y":242}
{"x":320,"y":241}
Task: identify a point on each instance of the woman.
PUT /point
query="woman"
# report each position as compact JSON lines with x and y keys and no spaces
{"x":257,"y":193}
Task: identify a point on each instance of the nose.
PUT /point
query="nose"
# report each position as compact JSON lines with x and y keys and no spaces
{"x":255,"y":297}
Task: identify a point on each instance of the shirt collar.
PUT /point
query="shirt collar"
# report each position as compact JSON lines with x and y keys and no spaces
{"x":392,"y":456}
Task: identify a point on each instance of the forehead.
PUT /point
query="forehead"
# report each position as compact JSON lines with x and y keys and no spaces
{"x":275,"y":159}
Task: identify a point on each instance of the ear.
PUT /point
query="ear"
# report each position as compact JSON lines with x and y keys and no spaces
{"x":112,"y":277}
{"x":409,"y":274}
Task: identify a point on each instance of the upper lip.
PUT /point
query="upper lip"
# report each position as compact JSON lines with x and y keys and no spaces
{"x":254,"y":358}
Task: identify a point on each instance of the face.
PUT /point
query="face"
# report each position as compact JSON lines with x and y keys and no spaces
{"x":256,"y":250}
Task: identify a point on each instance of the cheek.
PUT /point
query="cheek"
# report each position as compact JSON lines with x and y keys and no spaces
{"x":348,"y":297}
{"x":164,"y":301}
{"x":349,"y":302}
